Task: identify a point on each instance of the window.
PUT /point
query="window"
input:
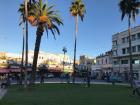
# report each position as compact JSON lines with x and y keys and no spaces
{"x":115,"y":52}
{"x":135,"y":61}
{"x":138,"y":48}
{"x":106,"y":61}
{"x":98,"y":62}
{"x":133,"y":37}
{"x":127,"y":39}
{"x":116,"y":62}
{"x":102,"y":61}
{"x":128,"y":50}
{"x":138,"y":36}
{"x":123,"y":51}
{"x":114,"y":42}
{"x":124,"y":61}
{"x":134,"y":49}
{"x":123,"y":40}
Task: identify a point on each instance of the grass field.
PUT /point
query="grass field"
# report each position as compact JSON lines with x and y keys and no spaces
{"x":69,"y":94}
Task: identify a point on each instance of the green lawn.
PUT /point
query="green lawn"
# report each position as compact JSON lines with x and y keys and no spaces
{"x":64,"y":94}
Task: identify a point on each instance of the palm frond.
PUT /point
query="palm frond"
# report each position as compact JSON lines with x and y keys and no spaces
{"x":56,"y":28}
{"x":39,"y":10}
{"x":46,"y":28}
{"x":129,"y":8}
{"x":78,"y":8}
{"x":51,"y":29}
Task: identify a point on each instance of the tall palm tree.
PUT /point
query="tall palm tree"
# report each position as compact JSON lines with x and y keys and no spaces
{"x":43,"y":17}
{"x":77,"y":9}
{"x":22,"y":22}
{"x":64,"y":51}
{"x":26,"y":52}
{"x":23,"y":43}
{"x":24,"y":8}
{"x":129,"y":8}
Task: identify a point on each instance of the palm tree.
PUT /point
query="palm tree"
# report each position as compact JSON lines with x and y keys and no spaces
{"x":23,"y":43}
{"x":22,"y":22}
{"x":24,"y":8}
{"x":129,"y":8}
{"x":43,"y":17}
{"x":77,"y":9}
{"x":65,"y":51}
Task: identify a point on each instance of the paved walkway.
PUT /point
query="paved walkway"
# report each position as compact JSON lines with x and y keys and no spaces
{"x":54,"y":80}
{"x":2,"y":92}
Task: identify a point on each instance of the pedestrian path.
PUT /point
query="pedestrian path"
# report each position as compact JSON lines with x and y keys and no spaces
{"x":2,"y":93}
{"x":78,"y":81}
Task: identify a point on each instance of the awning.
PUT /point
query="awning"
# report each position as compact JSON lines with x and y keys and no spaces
{"x":2,"y":71}
{"x":12,"y":70}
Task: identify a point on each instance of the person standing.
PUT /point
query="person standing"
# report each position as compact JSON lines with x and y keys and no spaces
{"x":135,"y":84}
{"x":88,"y":79}
{"x":42,"y":78}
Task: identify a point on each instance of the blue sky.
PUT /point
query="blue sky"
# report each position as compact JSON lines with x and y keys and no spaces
{"x":102,"y":20}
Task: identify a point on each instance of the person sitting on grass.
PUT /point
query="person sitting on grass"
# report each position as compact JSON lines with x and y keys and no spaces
{"x":135,"y":84}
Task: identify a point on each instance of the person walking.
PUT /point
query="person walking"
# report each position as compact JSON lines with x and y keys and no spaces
{"x":88,"y":79}
{"x":135,"y":84}
{"x":42,"y":78}
{"x":113,"y":78}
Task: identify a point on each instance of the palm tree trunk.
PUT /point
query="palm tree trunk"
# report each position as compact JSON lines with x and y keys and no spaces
{"x":75,"y":43}
{"x":26,"y":54}
{"x":63,"y":61}
{"x":130,"y":53}
{"x":39,"y":34}
{"x":22,"y":60}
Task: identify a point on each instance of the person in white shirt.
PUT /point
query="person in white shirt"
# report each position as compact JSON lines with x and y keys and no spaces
{"x":136,"y":86}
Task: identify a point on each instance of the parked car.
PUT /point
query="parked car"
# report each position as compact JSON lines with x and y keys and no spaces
{"x":49,"y":75}
{"x":116,"y":78}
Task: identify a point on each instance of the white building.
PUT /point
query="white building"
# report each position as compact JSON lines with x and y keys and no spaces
{"x":120,"y":48}
{"x":43,"y":56}
{"x":86,"y":62}
{"x":103,"y":63}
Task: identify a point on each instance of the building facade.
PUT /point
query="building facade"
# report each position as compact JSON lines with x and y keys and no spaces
{"x":120,"y":49}
{"x":104,"y":62}
{"x":42,"y":57}
{"x":86,"y":62}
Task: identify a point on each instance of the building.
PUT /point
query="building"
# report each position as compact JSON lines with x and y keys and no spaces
{"x":2,"y":55}
{"x":50,"y":57}
{"x":104,"y":62}
{"x":86,"y":61}
{"x":120,"y":49}
{"x":53,"y":59}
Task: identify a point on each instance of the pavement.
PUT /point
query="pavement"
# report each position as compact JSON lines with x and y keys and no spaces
{"x":77,"y":81}
{"x":2,"y":92}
